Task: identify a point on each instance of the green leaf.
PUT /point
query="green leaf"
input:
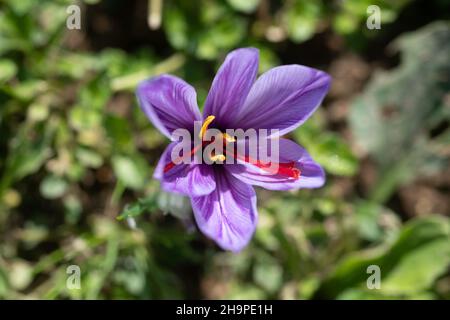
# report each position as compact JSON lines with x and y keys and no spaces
{"x":148,"y":204}
{"x":119,"y":132}
{"x":268,"y":274}
{"x":26,"y":154}
{"x":7,"y":70}
{"x":176,"y":27}
{"x":223,"y":35}
{"x":327,"y":148}
{"x":53,"y":187}
{"x":399,"y":263}
{"x":130,"y":171}
{"x":335,"y":155}
{"x":394,"y":118}
{"x":21,"y":7}
{"x":88,"y":157}
{"x":417,"y":271}
{"x":82,"y":118}
{"x":247,"y":6}
{"x":302,"y":19}
{"x":76,"y":65}
{"x":28,"y":89}
{"x":367,"y":216}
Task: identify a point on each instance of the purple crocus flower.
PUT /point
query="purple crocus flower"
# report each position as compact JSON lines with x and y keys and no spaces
{"x":222,"y":195}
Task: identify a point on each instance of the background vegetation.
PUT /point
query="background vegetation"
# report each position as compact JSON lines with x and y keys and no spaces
{"x":77,"y":154}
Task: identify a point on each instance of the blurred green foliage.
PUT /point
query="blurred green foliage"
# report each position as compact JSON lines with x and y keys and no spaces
{"x":77,"y":154}
{"x":395,"y":117}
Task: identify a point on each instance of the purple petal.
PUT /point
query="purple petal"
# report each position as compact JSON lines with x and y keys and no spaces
{"x":311,"y":176}
{"x":228,"y":215}
{"x":187,"y":179}
{"x":169,"y":103}
{"x":231,"y":86}
{"x":283,"y":98}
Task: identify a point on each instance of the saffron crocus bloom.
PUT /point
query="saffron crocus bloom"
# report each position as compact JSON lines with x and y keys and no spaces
{"x":222,"y":195}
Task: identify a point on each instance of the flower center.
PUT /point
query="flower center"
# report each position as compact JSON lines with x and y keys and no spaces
{"x":205,"y":126}
{"x":213,"y":156}
{"x":287,"y":169}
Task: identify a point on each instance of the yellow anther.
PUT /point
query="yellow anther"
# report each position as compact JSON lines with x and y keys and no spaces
{"x":205,"y":125}
{"x":218,"y":157}
{"x":229,"y":138}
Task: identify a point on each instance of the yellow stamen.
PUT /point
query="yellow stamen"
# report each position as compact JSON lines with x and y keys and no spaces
{"x":229,"y":138}
{"x":218,"y":157}
{"x":205,"y":125}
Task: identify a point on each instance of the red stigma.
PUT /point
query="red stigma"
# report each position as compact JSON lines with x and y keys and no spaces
{"x":287,"y":169}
